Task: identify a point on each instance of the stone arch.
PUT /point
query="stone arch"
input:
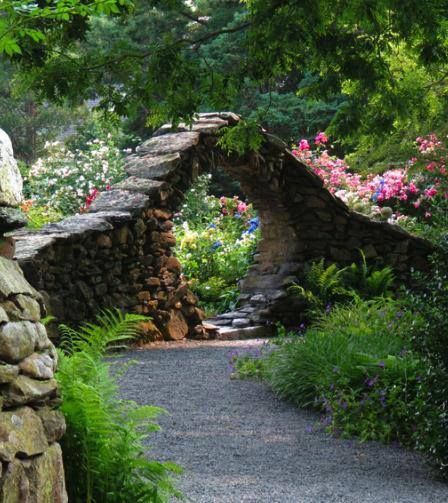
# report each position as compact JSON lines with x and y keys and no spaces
{"x":129,"y":228}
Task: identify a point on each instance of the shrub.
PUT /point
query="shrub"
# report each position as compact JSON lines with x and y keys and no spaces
{"x":430,"y":299}
{"x":430,"y":408}
{"x":38,"y":216}
{"x":216,"y":238}
{"x":103,"y":447}
{"x":345,"y":345}
{"x":368,"y":281}
{"x":65,"y":179}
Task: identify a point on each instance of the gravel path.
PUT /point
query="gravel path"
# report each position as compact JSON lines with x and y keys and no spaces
{"x":239,"y":443}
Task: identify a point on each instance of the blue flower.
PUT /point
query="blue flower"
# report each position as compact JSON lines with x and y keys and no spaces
{"x":216,"y":245}
{"x":378,"y":190}
{"x":254,"y":223}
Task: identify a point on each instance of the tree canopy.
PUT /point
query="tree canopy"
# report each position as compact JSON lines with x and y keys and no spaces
{"x":169,"y":59}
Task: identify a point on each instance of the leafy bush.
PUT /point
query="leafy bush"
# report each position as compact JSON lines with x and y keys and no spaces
{"x":368,"y":281}
{"x":38,"y":215}
{"x":103,"y":447}
{"x":430,"y":411}
{"x":323,"y":286}
{"x":216,"y":238}
{"x":66,"y":180}
{"x":430,"y":299}
{"x":347,"y":343}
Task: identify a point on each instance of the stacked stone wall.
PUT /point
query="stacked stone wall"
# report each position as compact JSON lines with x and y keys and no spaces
{"x":112,"y":259}
{"x":120,"y":253}
{"x":31,"y":468}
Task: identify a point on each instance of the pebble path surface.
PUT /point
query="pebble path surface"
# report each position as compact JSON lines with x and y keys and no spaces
{"x":239,"y":443}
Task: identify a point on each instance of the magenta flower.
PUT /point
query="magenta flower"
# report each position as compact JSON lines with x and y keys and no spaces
{"x":303,"y":145}
{"x":430,"y":192}
{"x":321,"y":139}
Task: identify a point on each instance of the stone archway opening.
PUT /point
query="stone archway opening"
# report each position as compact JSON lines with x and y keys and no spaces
{"x":121,"y":252}
{"x":217,"y":232}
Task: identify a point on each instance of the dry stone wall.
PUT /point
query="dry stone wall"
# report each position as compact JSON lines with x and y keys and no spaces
{"x":31,"y":469}
{"x":120,"y":253}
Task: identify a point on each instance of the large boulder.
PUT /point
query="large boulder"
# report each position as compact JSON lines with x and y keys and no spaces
{"x":10,"y":178}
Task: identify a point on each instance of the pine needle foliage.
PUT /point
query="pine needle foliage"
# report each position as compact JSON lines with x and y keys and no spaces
{"x":104,"y":451}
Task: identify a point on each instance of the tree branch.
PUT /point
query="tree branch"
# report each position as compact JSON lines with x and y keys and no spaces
{"x":195,"y":43}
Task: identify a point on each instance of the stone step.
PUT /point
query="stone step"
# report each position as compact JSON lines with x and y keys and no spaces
{"x":255,"y":332}
{"x":220,"y":321}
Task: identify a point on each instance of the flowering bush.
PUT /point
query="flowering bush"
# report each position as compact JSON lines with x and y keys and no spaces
{"x":216,"y":238}
{"x":414,"y":190}
{"x":68,"y":181}
{"x":39,"y":215}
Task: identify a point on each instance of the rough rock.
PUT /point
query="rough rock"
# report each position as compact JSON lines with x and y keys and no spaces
{"x":11,"y":218}
{"x":29,"y":308}
{"x":21,"y":432}
{"x":8,"y":372}
{"x":175,"y":142}
{"x":25,"y":390}
{"x":176,"y":327}
{"x":12,"y":280}
{"x":240,"y":322}
{"x":10,"y":178}
{"x":153,"y":168}
{"x":53,"y":422}
{"x":38,"y":365}
{"x":15,"y":486}
{"x":17,"y":340}
{"x":150,"y":332}
{"x":3,"y":314}
{"x":46,"y":477}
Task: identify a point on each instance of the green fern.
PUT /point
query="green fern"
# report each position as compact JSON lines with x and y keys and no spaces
{"x":103,"y":447}
{"x":369,"y":282}
{"x":111,"y":330}
{"x":323,"y":285}
{"x":379,"y":283}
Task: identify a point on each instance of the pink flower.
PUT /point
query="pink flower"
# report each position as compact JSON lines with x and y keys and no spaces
{"x":304,"y":145}
{"x":321,"y":138}
{"x":242,"y":207}
{"x":431,"y":192}
{"x":412,"y":188}
{"x":428,"y":214}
